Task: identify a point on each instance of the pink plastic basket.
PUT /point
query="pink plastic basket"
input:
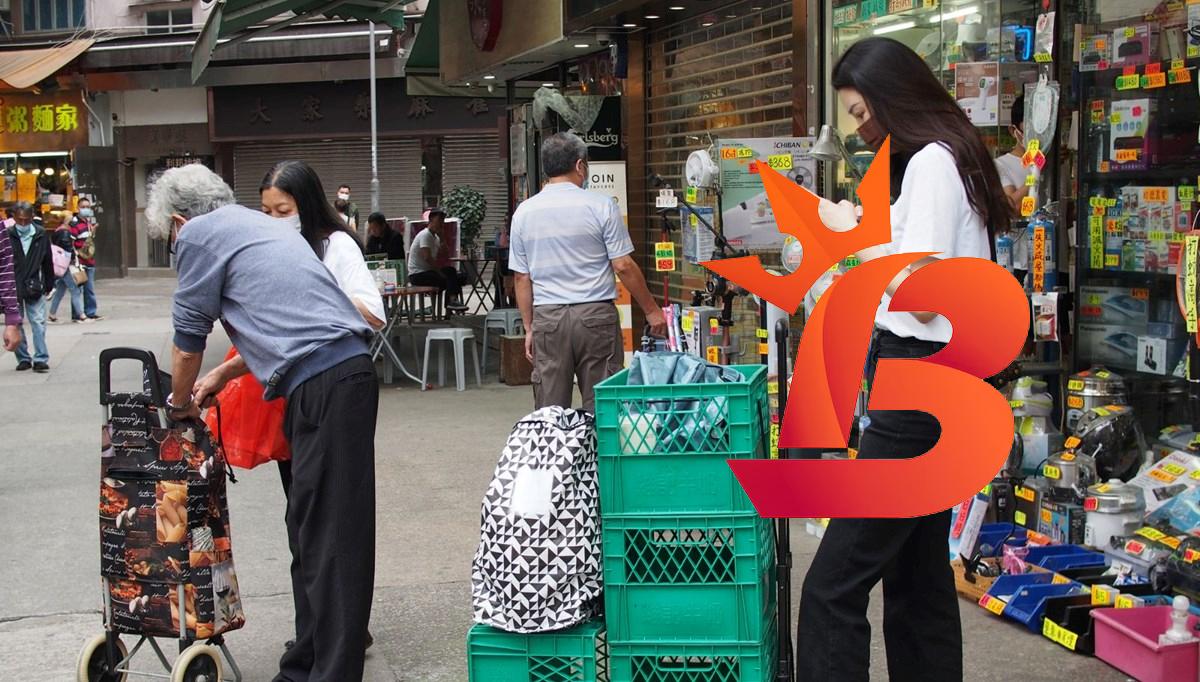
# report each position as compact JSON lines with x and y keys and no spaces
{"x":1127,"y":639}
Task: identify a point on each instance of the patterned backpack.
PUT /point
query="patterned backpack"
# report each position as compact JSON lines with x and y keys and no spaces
{"x":538,"y":566}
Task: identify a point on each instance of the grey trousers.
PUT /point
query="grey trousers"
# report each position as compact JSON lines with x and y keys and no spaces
{"x":580,"y":342}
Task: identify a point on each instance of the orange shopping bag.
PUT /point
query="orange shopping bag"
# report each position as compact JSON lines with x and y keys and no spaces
{"x":250,"y":429}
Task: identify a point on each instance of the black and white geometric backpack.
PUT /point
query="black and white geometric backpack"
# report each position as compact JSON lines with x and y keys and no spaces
{"x":538,"y":566}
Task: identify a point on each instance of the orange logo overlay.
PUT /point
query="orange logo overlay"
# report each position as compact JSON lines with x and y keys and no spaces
{"x":989,"y":314}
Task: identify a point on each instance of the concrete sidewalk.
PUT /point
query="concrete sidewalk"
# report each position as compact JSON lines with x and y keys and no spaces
{"x":435,"y":455}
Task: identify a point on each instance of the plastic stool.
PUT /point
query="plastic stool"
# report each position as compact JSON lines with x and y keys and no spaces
{"x":507,"y":319}
{"x":458,"y":337}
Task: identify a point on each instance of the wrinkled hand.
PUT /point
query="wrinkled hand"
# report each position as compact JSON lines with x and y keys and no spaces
{"x":208,"y":387}
{"x":12,"y":337}
{"x":529,"y":345}
{"x":840,"y":217}
{"x":657,"y":322}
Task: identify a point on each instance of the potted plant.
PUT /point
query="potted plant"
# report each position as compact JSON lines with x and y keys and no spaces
{"x":470,"y":207}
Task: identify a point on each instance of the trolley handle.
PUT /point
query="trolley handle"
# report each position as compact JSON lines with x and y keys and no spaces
{"x":149,"y":370}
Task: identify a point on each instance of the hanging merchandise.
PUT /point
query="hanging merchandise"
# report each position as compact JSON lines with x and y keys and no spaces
{"x":977,"y":90}
{"x":1004,"y":251}
{"x":1114,"y":509}
{"x":1044,"y":38}
{"x":1091,"y":388}
{"x":1113,"y":436}
{"x":1043,"y":265}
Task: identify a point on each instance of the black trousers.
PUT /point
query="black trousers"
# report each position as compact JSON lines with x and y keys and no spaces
{"x":920,"y":620}
{"x":330,"y":426}
{"x":445,"y":279}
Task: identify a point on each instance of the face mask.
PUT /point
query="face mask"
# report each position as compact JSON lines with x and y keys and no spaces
{"x":871,"y":134}
{"x":292,"y":220}
{"x":86,"y":213}
{"x":344,"y":196}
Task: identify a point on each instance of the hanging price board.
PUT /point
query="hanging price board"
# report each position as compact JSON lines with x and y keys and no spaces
{"x":664,"y":256}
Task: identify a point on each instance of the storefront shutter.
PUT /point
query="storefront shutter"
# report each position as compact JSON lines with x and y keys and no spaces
{"x":341,"y":162}
{"x":475,"y":161}
{"x":731,"y":79}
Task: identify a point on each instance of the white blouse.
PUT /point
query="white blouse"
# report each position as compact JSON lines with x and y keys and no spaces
{"x":932,"y":214}
{"x":345,"y":262}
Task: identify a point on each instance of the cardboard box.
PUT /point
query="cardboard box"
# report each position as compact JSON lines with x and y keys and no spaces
{"x":1129,"y":128}
{"x":1122,"y":306}
{"x":1029,"y":503}
{"x":515,"y":368}
{"x":1115,"y":346}
{"x":1157,"y":355}
{"x":1094,"y":53}
{"x":1131,"y":45}
{"x":1064,"y":522}
{"x":1175,"y":473}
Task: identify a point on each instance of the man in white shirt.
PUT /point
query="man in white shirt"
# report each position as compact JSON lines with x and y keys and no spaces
{"x":1012,"y":175}
{"x":423,"y":270}
{"x":565,"y":246}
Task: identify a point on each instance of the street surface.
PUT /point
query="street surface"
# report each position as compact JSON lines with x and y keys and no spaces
{"x":435,"y":455}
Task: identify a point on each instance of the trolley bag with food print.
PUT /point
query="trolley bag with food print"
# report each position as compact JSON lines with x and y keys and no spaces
{"x":165,"y":557}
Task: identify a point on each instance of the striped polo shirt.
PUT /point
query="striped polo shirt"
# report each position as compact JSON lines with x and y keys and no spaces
{"x":565,"y":239}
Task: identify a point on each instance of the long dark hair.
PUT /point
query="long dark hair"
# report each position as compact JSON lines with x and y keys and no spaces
{"x":318,"y":219}
{"x":909,"y":103}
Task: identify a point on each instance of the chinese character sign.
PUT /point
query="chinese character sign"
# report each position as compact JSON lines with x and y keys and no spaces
{"x":49,"y":122}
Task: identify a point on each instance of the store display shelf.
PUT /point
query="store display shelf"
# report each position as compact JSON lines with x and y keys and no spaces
{"x":1113,"y":72}
{"x":1127,"y":277}
{"x":1184,"y":174}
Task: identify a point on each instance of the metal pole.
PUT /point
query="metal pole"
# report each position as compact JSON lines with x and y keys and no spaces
{"x":374,"y":130}
{"x":783,"y":529}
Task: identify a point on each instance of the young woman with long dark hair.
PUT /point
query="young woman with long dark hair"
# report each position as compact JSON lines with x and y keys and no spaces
{"x":947,"y":199}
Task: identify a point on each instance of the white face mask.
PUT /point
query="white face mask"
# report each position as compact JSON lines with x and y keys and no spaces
{"x":344,"y":196}
{"x":293,"y":220}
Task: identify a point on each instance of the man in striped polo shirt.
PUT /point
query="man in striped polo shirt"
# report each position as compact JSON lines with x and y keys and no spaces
{"x":10,"y":305}
{"x":565,"y":247}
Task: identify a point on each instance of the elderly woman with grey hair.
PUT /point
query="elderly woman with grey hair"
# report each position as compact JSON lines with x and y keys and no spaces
{"x":304,"y":341}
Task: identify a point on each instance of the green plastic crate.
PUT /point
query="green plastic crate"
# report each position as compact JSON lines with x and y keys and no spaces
{"x":691,"y":662}
{"x":578,"y":654}
{"x":693,"y":578}
{"x":663,"y":449}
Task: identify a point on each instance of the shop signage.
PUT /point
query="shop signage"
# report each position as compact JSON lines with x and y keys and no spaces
{"x":41,"y":123}
{"x":832,"y":354}
{"x":326,"y":109}
{"x":485,"y":18}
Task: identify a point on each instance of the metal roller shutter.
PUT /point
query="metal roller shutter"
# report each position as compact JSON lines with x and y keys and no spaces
{"x":475,"y":161}
{"x":341,"y":162}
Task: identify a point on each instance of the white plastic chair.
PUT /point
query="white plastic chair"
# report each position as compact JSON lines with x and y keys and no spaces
{"x":458,"y":337}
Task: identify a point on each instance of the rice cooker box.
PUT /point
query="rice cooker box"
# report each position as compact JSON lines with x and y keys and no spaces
{"x":1113,"y":345}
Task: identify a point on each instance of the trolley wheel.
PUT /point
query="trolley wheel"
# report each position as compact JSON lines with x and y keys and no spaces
{"x":93,"y":663}
{"x":198,"y":663}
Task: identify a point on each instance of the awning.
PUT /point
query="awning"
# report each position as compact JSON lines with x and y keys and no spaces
{"x":23,"y":69}
{"x":233,"y":21}
{"x":424,"y":53}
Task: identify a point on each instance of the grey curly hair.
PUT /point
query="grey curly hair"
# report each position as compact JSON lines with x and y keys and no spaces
{"x":189,"y":191}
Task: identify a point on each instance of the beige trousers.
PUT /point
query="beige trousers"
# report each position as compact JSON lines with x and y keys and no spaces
{"x":572,"y":343}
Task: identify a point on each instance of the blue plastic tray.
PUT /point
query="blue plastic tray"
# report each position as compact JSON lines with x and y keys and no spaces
{"x":1065,"y":561}
{"x":1028,"y":604}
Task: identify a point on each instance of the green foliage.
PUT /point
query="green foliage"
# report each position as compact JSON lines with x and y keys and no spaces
{"x":470,"y":207}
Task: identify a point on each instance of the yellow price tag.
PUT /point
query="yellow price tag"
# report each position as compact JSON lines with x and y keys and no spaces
{"x":993,"y":604}
{"x":1058,"y":634}
{"x":1115,"y":118}
{"x":1027,"y":206}
{"x":664,"y":256}
{"x":713,"y":355}
{"x":1019,"y":517}
{"x":772,"y":387}
{"x":1127,"y":155}
{"x":1074,"y":401}
{"x":1151,"y":534}
{"x":1124,"y":601}
{"x":1130,"y":32}
{"x":1103,"y":488}
{"x":1024,"y":493}
{"x":1072,"y":442}
{"x":1195,"y":475}
{"x":1067,"y":456}
{"x":1059,"y":579}
{"x":761,"y":333}
{"x":764,"y":348}
{"x":1102,"y":595}
{"x":1177,"y":64}
{"x":688,"y":323}
{"x":745,"y":153}
{"x":1075,"y":385}
{"x":1051,"y":471}
{"x":1034,"y":146}
{"x":1191,"y":245}
{"x":779,"y":161}
{"x":691,"y":195}
{"x":1174,"y":469}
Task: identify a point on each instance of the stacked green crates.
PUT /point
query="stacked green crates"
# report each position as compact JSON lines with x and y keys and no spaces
{"x":689,"y":566}
{"x":578,"y":654}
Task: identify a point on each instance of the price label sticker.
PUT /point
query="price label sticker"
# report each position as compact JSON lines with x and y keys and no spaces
{"x":1075,"y":385}
{"x":1127,"y":155}
{"x":1019,"y":517}
{"x":1154,"y":80}
{"x":688,"y":323}
{"x":1151,"y":534}
{"x":1130,"y":82}
{"x":1156,"y":195}
{"x":1097,"y":117}
{"x":1174,"y":469}
{"x":993,"y":604}
{"x":780,"y":161}
{"x":1104,"y":166}
{"x":691,"y":196}
{"x":773,"y":387}
{"x":1027,"y":206}
{"x":1024,"y":493}
{"x":1186,"y":193}
{"x":1052,"y":472}
{"x":1016,"y":404}
{"x":1060,"y":579}
{"x":713,"y":355}
{"x":761,"y":333}
{"x":1171,"y":542}
{"x":764,"y":349}
{"x":1191,"y":556}
{"x":714,"y":325}
{"x":1162,"y":476}
{"x":1075,"y":402}
{"x":1124,"y":601}
{"x":745,"y":153}
{"x":1130,"y":32}
{"x":1102,"y":595}
{"x":1030,"y":180}
{"x":1112,"y":260}
{"x":1177,"y":64}
{"x":1191,"y":247}
{"x":1067,"y":456}
{"x":1043,"y":58}
{"x":1177,"y":76}
{"x":1140,"y":294}
{"x":1058,"y":634}
{"x":1034,"y":146}
{"x":728,"y":153}
{"x":664,"y":256}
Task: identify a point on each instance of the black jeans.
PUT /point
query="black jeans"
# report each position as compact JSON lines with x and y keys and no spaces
{"x":330,"y":426}
{"x":920,"y":620}
{"x":445,"y":279}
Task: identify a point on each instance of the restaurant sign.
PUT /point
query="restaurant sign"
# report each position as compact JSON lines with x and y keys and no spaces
{"x":42,"y":123}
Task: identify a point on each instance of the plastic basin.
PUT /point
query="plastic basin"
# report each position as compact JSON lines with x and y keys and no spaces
{"x":1127,"y":639}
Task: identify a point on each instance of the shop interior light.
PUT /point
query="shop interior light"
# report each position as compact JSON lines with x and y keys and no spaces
{"x":676,"y":8}
{"x":48,"y":171}
{"x":629,"y":25}
{"x":41,"y":155}
{"x":892,"y":28}
{"x":547,"y":85}
{"x":489,"y":77}
{"x":8,"y":156}
{"x":706,"y":24}
{"x":946,"y":16}
{"x":582,"y":45}
{"x":651,"y":16}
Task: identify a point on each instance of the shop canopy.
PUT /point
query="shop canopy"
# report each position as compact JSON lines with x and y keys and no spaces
{"x":24,"y":69}
{"x":234,"y":21}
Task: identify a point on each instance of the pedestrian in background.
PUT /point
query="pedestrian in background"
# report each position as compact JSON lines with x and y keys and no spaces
{"x":303,"y":339}
{"x":10,"y":303}
{"x":343,"y":194}
{"x":63,"y":239}
{"x":566,"y":244}
{"x":382,"y":239}
{"x":83,"y":229}
{"x":429,"y":247}
{"x":33,"y":265}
